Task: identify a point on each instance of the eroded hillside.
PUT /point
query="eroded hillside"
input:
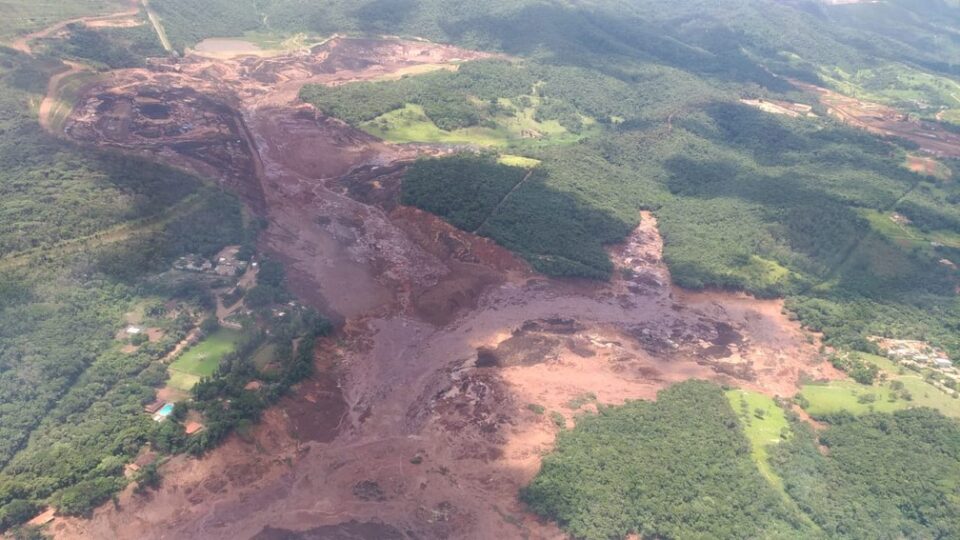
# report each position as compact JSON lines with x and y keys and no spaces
{"x":432,"y":417}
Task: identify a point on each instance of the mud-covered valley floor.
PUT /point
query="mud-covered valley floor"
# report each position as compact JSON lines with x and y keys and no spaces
{"x":418,"y":423}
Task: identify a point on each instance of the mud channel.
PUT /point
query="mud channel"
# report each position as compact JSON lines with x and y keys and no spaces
{"x":418,"y":425}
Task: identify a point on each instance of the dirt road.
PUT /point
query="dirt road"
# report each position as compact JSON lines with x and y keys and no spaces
{"x":884,"y":121}
{"x":51,"y":101}
{"x":157,"y":26}
{"x":22,"y":43}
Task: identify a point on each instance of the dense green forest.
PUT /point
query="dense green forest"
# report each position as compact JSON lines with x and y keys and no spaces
{"x":680,"y":467}
{"x":87,"y":237}
{"x":722,"y":38}
{"x":891,"y":53}
{"x":879,"y":476}
{"x":745,"y":199}
{"x":23,"y":16}
{"x":108,"y":48}
{"x":444,"y":96}
{"x":464,"y":190}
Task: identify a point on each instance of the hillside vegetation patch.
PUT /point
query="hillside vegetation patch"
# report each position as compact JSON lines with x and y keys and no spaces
{"x":679,"y":467}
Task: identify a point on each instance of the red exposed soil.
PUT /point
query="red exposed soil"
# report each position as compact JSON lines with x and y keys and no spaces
{"x":928,"y":167}
{"x":888,"y":122}
{"x":418,"y":425}
{"x":317,"y":410}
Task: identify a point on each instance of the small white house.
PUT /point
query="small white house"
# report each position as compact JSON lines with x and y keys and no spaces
{"x":134,"y":330}
{"x":942,"y":363}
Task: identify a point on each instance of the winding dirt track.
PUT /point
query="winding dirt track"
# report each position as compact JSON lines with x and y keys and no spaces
{"x":22,"y":43}
{"x":417,"y":425}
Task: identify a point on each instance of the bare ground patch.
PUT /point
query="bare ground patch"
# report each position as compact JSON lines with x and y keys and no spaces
{"x":448,"y":339}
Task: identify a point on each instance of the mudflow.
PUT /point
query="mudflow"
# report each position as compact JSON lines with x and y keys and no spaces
{"x":417,"y":425}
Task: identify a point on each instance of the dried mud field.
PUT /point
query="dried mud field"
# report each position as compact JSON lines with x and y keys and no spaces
{"x":425,"y":417}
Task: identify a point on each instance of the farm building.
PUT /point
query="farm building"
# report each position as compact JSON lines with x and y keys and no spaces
{"x":145,"y":458}
{"x":154,"y":407}
{"x":942,"y":363}
{"x":193,"y":263}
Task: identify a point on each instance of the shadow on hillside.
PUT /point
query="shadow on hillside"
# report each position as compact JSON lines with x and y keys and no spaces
{"x":612,"y":43}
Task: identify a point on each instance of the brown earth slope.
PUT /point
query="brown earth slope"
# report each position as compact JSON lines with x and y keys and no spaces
{"x":419,"y":424}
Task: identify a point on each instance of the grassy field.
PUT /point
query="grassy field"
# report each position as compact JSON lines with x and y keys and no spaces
{"x":762,"y":430}
{"x":952,"y":116}
{"x":202,"y":359}
{"x":416,"y":69}
{"x":765,"y":272}
{"x":907,"y":235}
{"x":850,"y":396}
{"x":411,"y":124}
{"x":518,"y":161}
{"x":900,"y":86}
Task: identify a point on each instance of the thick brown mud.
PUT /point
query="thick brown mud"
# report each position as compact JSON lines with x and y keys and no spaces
{"x":352,"y":530}
{"x":426,"y":425}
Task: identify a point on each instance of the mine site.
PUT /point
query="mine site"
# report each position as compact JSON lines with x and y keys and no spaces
{"x":531,"y":269}
{"x":421,"y":426}
{"x":931,"y":138}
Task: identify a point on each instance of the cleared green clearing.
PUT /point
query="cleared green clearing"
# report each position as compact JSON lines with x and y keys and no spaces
{"x":182,"y":381}
{"x":411,"y":124}
{"x":202,"y":359}
{"x":907,"y":235}
{"x":518,"y":161}
{"x":416,"y":69}
{"x":947,"y":238}
{"x":837,"y":396}
{"x":903,"y":235}
{"x":765,"y":272}
{"x":761,"y":430}
{"x":900,"y":86}
{"x":951,"y":115}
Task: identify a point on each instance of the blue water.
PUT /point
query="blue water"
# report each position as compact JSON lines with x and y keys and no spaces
{"x":166,"y":410}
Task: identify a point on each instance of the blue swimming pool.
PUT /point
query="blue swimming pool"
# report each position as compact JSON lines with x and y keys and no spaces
{"x":166,"y":410}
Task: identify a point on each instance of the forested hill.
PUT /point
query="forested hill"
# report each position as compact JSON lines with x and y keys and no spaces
{"x":600,"y":109}
{"x":641,"y":97}
{"x":94,"y":313}
{"x":728,"y":38}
